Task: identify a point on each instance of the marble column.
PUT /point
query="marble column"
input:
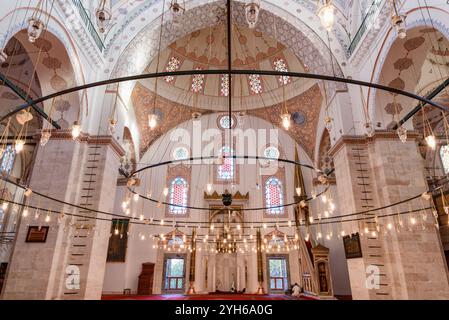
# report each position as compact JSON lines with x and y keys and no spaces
{"x":402,"y":257}
{"x":72,"y":261}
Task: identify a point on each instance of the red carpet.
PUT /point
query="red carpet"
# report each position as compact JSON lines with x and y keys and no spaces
{"x":204,"y":297}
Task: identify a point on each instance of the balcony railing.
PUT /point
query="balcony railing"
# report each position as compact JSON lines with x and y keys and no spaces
{"x":366,"y":24}
{"x":89,"y":25}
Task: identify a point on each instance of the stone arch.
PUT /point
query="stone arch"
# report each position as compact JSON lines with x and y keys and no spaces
{"x":316,"y":57}
{"x":415,"y":22}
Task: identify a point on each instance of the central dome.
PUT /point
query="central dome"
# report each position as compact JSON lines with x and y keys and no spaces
{"x":206,"y":49}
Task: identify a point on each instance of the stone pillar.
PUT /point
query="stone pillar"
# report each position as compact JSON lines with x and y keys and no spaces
{"x":192,"y":264}
{"x":408,"y":261}
{"x":259,"y":262}
{"x":72,"y":261}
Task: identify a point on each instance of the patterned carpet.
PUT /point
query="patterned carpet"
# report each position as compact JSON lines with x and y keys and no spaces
{"x":204,"y":297}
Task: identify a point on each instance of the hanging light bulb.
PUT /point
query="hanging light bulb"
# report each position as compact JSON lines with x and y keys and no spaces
{"x":47,"y":218}
{"x":28,"y":192}
{"x":136,"y":197}
{"x":103,"y":17}
{"x":4,"y":206}
{"x":45,"y":137}
{"x":111,"y":125}
{"x":25,"y":213}
{"x":76,"y":130}
{"x":286,"y":120}
{"x":326,"y":14}
{"x":426,"y":195}
{"x":369,"y":129}
{"x":328,"y":123}
{"x":324,"y":198}
{"x":402,"y":133}
{"x":165,"y":191}
{"x":35,"y":28}
{"x":209,"y":187}
{"x":176,"y":9}
{"x":152,"y":121}
{"x":252,"y":10}
{"x":18,"y":145}
{"x":3,"y":56}
{"x":431,"y":141}
{"x":398,"y":22}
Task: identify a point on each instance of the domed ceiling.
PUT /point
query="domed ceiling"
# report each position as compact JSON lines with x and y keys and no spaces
{"x":206,"y":49}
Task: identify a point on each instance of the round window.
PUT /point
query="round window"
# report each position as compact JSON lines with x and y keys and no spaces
{"x":180,"y":153}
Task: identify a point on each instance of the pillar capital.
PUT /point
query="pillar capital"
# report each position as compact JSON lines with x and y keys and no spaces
{"x":66,"y":134}
{"x":363,"y":139}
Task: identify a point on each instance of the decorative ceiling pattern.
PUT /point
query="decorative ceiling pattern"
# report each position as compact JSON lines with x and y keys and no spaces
{"x":305,"y":110}
{"x":408,"y":67}
{"x":303,"y":42}
{"x":206,"y":49}
{"x":170,"y":114}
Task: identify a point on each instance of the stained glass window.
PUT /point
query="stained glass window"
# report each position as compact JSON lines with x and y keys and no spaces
{"x":197,"y":82}
{"x":178,"y":196}
{"x":281,"y":66}
{"x":255,"y":83}
{"x":224,"y":88}
{"x":180,"y":153}
{"x":274,"y":196}
{"x":8,"y":158}
{"x":226,"y":122}
{"x":444,"y":155}
{"x":278,"y":274}
{"x":271,"y":153}
{"x":226,"y":170}
{"x":172,"y":65}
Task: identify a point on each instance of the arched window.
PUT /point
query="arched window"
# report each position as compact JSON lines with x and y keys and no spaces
{"x":281,"y":66}
{"x":444,"y":155}
{"x":172,"y":65}
{"x":255,"y":83}
{"x":8,"y":158}
{"x":274,"y":196}
{"x":271,"y":152}
{"x":178,"y":196}
{"x":224,"y":88}
{"x":180,"y":153}
{"x":226,"y":170}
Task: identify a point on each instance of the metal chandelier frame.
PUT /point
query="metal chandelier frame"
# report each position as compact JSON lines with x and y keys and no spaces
{"x":230,"y":71}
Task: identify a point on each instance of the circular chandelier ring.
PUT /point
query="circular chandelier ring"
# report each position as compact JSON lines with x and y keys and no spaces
{"x":411,"y":95}
{"x":168,"y":162}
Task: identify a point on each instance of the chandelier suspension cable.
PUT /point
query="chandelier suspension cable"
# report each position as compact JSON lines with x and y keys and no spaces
{"x":426,"y":6}
{"x":153,"y":118}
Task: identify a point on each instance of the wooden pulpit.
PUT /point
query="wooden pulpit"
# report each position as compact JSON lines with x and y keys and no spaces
{"x":145,"y":286}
